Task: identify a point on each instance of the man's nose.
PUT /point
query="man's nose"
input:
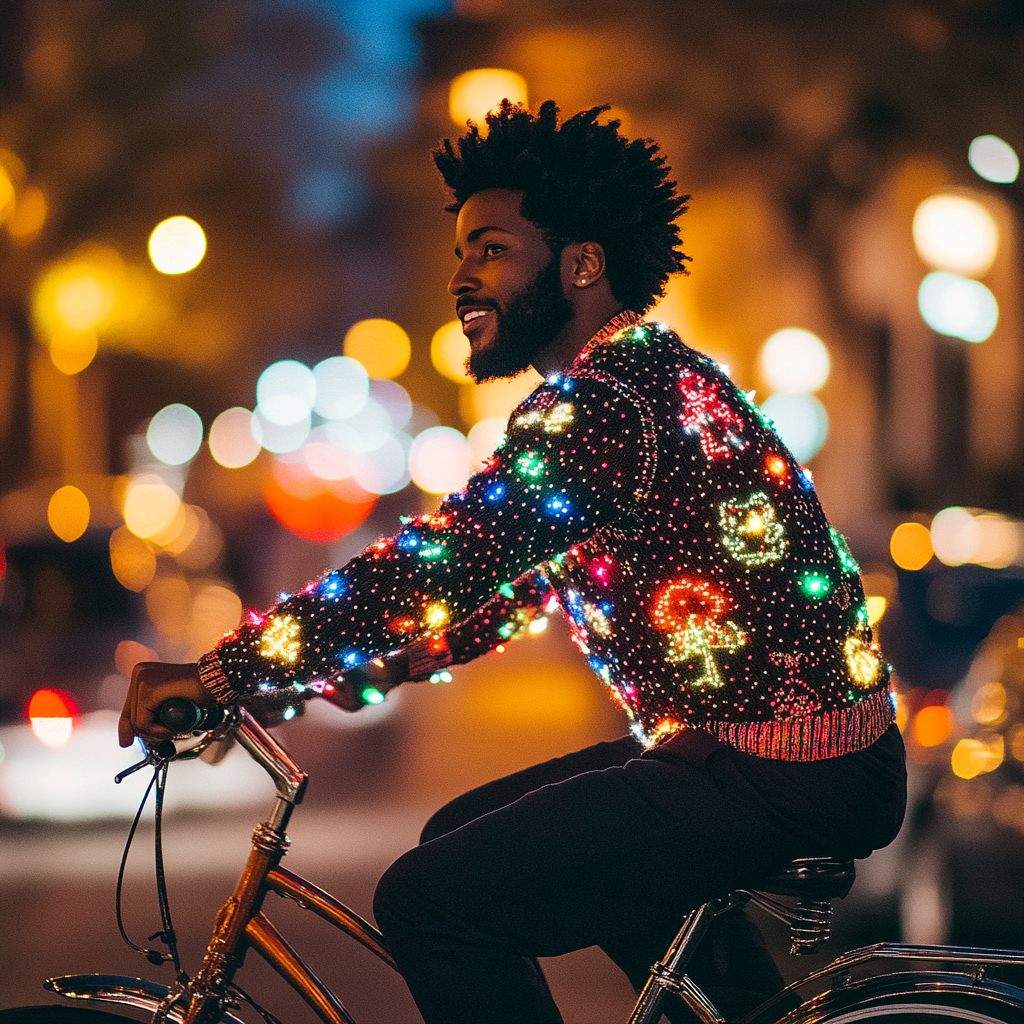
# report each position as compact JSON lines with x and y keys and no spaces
{"x":462,"y":282}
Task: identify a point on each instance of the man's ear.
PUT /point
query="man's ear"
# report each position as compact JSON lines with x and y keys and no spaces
{"x":586,"y":263}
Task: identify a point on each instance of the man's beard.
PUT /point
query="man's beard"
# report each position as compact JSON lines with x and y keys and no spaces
{"x":533,"y":318}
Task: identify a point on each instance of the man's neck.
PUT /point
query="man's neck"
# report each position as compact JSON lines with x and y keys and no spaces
{"x":571,"y":341}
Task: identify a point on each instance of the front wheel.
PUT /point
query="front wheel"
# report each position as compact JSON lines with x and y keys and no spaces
{"x":60,"y":1014}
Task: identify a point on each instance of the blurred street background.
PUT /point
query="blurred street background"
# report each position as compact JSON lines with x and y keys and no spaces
{"x":228,"y":361}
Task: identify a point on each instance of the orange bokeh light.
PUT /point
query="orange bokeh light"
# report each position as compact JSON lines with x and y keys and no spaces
{"x":932,"y":725}
{"x":314,"y":511}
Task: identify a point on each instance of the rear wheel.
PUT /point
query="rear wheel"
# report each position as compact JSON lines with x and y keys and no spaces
{"x":939,"y":1007}
{"x":60,"y":1014}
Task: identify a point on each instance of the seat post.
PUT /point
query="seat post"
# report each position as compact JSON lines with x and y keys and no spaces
{"x":669,"y":973}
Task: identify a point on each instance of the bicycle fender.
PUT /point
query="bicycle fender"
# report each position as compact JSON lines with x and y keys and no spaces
{"x":987,"y":997}
{"x":112,"y":988}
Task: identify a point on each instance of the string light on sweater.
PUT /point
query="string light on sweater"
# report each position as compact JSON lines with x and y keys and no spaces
{"x":280,"y":639}
{"x":750,"y":530}
{"x":711,"y":419}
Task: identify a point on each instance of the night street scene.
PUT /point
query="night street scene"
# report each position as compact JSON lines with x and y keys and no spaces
{"x":230,"y":363}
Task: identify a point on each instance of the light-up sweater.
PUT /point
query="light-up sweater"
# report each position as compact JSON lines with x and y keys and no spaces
{"x":647,"y":497}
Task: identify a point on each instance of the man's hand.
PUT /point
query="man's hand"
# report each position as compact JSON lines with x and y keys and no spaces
{"x":351,"y":690}
{"x":152,"y":683}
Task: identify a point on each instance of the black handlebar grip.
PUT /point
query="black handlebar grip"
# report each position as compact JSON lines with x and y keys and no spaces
{"x":181,"y":715}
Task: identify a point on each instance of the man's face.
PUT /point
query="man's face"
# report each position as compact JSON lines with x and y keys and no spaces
{"x":508,"y":288}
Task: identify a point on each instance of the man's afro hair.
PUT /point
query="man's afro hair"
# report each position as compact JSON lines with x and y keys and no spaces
{"x":581,"y":182}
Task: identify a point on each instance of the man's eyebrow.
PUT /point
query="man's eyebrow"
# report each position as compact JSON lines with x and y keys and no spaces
{"x":477,"y":232}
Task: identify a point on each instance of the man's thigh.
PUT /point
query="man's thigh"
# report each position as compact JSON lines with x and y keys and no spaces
{"x":501,"y":792}
{"x":585,"y":860}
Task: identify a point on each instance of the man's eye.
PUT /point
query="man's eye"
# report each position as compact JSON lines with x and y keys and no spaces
{"x":493,"y":249}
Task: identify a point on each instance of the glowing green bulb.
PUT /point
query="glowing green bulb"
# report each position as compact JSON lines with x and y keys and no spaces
{"x":506,"y":590}
{"x":530,"y":466}
{"x":815,"y":585}
{"x":371,"y":695}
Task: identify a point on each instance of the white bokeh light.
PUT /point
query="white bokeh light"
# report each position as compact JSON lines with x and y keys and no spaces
{"x":440,"y":460}
{"x":958,"y":306}
{"x":175,"y":434}
{"x":795,"y":361}
{"x":366,"y":431}
{"x":395,"y":399}
{"x":232,"y":438}
{"x":484,"y":437}
{"x":342,"y":387}
{"x":993,"y":159}
{"x":955,"y":535}
{"x":280,"y":437}
{"x":955,"y":233}
{"x":286,"y":392}
{"x":801,"y":422}
{"x":386,"y":470}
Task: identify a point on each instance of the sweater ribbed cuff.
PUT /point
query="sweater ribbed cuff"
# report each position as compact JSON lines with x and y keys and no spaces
{"x":211,"y":675}
{"x":425,"y":657}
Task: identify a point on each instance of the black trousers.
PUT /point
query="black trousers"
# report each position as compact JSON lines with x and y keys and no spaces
{"x":611,"y":846}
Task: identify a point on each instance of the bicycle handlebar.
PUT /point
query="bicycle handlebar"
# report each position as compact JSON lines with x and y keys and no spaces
{"x":180,"y":715}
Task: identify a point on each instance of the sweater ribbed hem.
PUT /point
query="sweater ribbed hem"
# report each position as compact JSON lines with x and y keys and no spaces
{"x":830,"y":734}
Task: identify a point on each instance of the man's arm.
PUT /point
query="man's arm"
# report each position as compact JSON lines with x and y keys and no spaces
{"x":576,"y":460}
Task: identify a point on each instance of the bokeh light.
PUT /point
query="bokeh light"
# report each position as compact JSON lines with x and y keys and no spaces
{"x":72,"y":350}
{"x":52,"y":713}
{"x":342,"y":387}
{"x":993,"y":159}
{"x":911,"y":546}
{"x":232,"y":442}
{"x":326,"y":460}
{"x":286,"y":392}
{"x":394,"y":399}
{"x":932,"y":725}
{"x":310,"y":508}
{"x":474,"y":94}
{"x":381,"y":346}
{"x":364,"y":432}
{"x":440,"y":460}
{"x":958,"y":306}
{"x":800,"y":421}
{"x":955,"y":233}
{"x":79,"y":292}
{"x":177,"y":245}
{"x":973,"y":757}
{"x":386,"y":470}
{"x":484,"y":437}
{"x":279,"y":438}
{"x":7,"y":194}
{"x":955,"y":536}
{"x":175,"y":434}
{"x":449,"y":349}
{"x":29,"y":215}
{"x":68,"y":513}
{"x":795,"y":361}
{"x":132,"y":560}
{"x":149,"y":506}
{"x":215,"y":610}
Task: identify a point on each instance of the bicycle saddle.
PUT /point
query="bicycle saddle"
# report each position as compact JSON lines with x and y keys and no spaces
{"x":811,"y":878}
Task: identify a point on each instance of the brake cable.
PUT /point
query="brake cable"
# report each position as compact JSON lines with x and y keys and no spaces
{"x":160,"y":757}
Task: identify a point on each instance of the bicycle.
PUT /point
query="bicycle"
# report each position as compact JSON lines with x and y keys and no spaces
{"x":959,"y":985}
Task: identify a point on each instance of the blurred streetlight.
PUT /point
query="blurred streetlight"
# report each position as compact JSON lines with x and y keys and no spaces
{"x":958,"y":306}
{"x":177,"y":245}
{"x":381,"y":346}
{"x":474,"y":94}
{"x":955,"y":233}
{"x":993,"y":159}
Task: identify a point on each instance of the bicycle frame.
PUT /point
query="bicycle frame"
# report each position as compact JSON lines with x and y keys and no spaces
{"x":240,"y":923}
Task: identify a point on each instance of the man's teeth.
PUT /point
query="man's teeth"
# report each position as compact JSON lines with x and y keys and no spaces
{"x":473,"y":314}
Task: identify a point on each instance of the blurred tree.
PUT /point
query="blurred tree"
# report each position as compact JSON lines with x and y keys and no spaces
{"x":114,"y":115}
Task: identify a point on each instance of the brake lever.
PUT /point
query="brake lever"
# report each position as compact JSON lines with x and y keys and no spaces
{"x":156,"y":755}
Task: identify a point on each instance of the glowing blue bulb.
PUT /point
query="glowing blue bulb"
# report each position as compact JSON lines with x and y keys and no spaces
{"x":558,"y":506}
{"x":283,"y":596}
{"x":289,"y":713}
{"x":494,"y":493}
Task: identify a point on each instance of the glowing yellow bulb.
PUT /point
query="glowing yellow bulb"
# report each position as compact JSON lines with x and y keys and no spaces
{"x":280,"y":639}
{"x":474,"y":94}
{"x":862,"y":662}
{"x":435,"y":615}
{"x":381,"y":346}
{"x":177,"y":245}
{"x":68,"y":513}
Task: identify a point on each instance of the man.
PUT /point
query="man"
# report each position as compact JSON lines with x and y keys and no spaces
{"x":639,"y":490}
